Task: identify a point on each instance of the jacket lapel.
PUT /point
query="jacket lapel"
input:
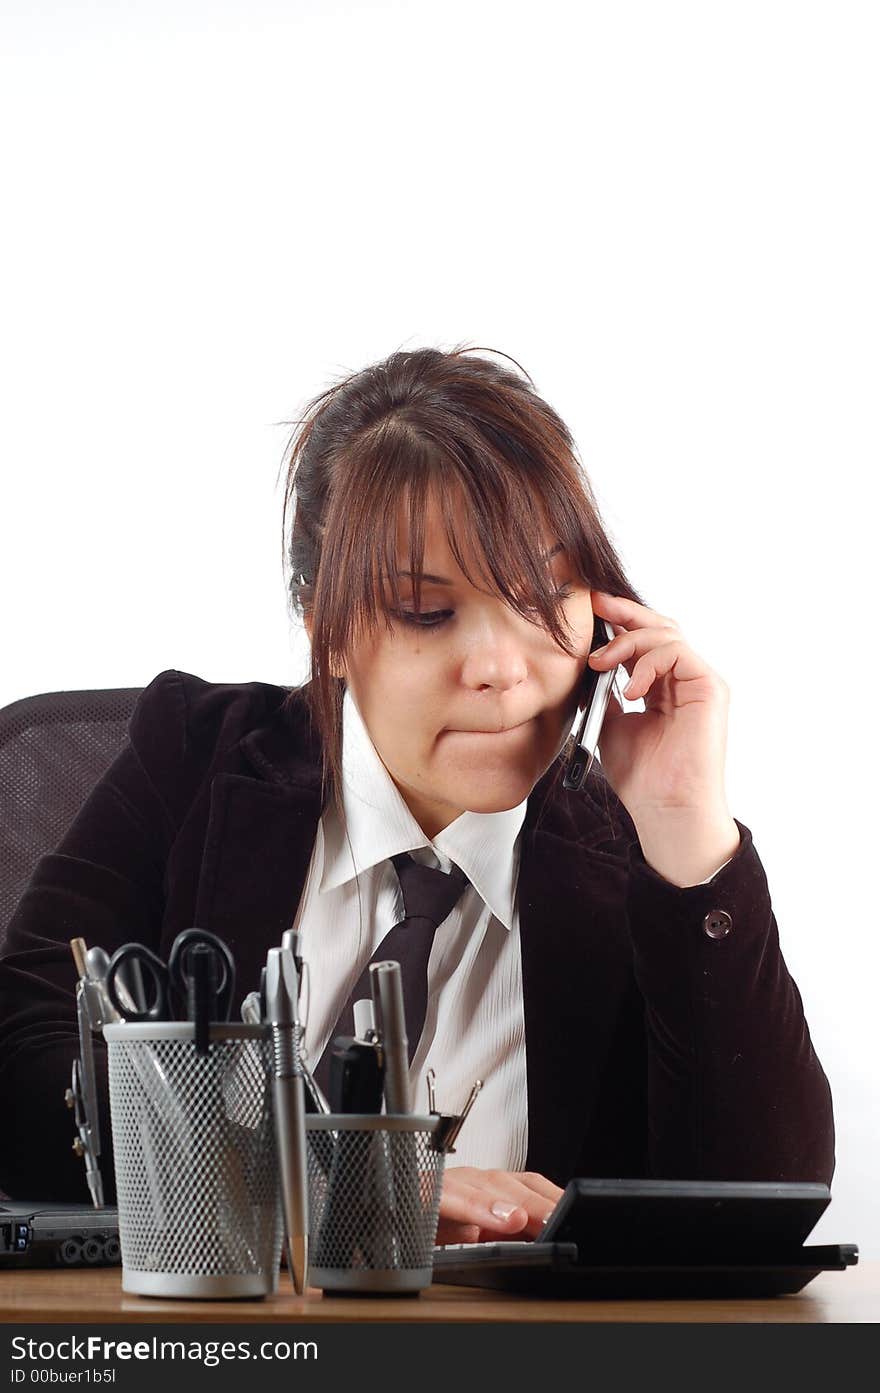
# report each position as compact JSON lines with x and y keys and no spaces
{"x":257,"y":854}
{"x":261,"y":830}
{"x":571,"y":895}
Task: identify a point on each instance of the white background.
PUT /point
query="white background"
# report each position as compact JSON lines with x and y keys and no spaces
{"x":667,"y":213}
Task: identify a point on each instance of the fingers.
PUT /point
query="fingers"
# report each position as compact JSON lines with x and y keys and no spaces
{"x":539,"y":1184}
{"x":498,"y":1204}
{"x":619,"y":610}
{"x":624,"y":646}
{"x":448,"y":1232}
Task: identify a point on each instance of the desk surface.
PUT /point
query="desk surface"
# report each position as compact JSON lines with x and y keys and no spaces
{"x":96,"y":1297}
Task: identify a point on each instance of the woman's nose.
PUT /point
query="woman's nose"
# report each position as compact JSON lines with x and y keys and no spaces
{"x":496,"y":658}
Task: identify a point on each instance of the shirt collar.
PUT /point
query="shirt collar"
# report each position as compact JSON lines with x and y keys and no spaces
{"x":379,"y":825}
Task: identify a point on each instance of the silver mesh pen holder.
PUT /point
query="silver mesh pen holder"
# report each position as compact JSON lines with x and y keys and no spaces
{"x":374,"y":1201}
{"x":195,"y":1160}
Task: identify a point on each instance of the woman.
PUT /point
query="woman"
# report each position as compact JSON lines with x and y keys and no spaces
{"x":611,"y":969}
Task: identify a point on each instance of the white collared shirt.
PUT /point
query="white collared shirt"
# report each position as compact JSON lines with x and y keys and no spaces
{"x":474,"y":1021}
{"x":474,"y":1025}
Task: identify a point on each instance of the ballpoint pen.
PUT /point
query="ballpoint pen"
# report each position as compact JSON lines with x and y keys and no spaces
{"x":290,"y":1111}
{"x":315,"y":1100}
{"x":395,"y":1169}
{"x":387,"y":988}
{"x":290,"y":939}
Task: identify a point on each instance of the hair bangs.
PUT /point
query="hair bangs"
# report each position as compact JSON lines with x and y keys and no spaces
{"x":507,"y":527}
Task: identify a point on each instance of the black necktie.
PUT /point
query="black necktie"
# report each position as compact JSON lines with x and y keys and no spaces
{"x":428,"y":897}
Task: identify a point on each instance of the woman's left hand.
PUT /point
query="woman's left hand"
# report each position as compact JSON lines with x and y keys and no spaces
{"x":666,"y":765}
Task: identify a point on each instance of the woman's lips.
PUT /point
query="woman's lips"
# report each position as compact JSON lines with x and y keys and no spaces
{"x":510,"y":730}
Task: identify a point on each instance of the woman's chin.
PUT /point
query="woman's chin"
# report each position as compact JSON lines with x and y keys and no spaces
{"x":495,"y":793}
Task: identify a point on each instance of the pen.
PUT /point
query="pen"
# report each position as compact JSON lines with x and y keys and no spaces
{"x":395,"y":1168}
{"x":201,"y":991}
{"x":387,"y":987}
{"x":290,"y":940}
{"x":290,"y":1111}
{"x":315,"y":1100}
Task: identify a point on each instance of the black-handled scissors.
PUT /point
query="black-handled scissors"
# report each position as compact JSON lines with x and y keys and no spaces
{"x":200,"y":968}
{"x":157,"y":982}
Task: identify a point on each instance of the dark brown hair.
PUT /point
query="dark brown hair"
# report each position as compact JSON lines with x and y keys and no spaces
{"x":383,"y":437}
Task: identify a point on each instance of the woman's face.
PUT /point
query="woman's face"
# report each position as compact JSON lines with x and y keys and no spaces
{"x":468,"y":708}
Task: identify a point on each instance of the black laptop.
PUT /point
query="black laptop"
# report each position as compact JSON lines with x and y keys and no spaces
{"x":39,"y":1234}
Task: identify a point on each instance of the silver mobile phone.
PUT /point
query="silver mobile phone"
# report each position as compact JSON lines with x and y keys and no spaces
{"x":593,"y":700}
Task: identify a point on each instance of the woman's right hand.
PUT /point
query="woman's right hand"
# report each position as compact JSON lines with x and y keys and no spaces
{"x":491,"y":1205}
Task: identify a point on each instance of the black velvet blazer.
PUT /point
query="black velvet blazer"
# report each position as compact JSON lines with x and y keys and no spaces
{"x":654,"y":1046}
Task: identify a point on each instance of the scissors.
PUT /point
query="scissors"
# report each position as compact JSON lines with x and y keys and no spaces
{"x":200,"y":968}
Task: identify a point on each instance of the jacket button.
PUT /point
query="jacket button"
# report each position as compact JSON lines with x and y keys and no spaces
{"x":717,"y":924}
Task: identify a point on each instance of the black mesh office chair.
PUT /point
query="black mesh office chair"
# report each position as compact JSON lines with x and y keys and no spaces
{"x":54,"y":747}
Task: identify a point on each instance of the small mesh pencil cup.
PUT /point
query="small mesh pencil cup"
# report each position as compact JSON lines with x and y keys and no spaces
{"x":195,"y":1160}
{"x":374,"y":1201}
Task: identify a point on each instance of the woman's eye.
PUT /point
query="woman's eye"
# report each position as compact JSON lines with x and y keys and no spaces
{"x":431,"y":620}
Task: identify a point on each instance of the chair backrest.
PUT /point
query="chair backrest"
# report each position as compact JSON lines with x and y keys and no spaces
{"x":54,"y":748}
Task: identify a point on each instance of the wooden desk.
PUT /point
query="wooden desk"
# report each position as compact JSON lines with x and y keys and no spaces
{"x":95,"y":1297}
